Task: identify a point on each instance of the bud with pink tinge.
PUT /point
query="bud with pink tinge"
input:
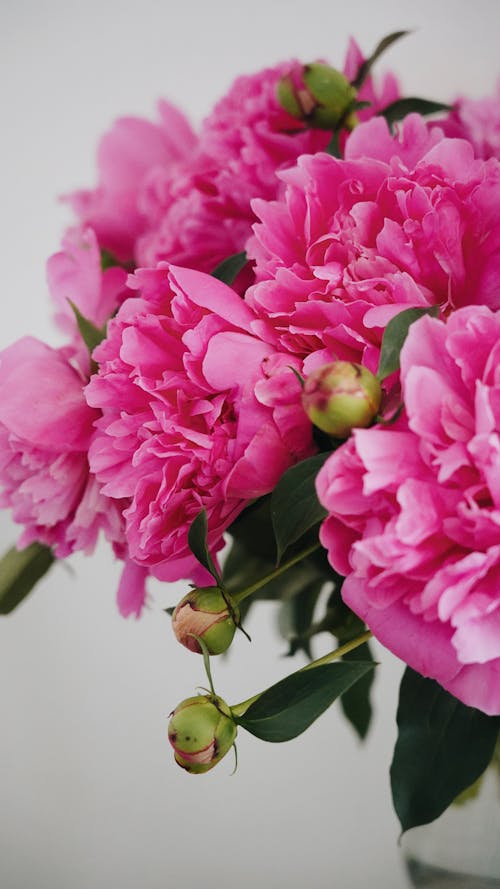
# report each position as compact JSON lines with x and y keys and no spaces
{"x":317,"y":94}
{"x":201,"y":731}
{"x":341,"y":396}
{"x":208,"y":614}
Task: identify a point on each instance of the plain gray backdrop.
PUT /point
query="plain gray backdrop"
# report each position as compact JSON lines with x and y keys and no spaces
{"x":90,"y":795}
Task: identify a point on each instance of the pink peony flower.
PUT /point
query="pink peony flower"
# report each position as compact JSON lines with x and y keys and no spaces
{"x":183,"y":424}
{"x":131,"y":152}
{"x":410,"y":220}
{"x":246,"y":140}
{"x":478,"y":121}
{"x":163,"y":194}
{"x":206,"y":216}
{"x":415,"y":510}
{"x":45,"y":431}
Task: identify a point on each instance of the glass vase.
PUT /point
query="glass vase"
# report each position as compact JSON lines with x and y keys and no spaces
{"x":461,"y":849}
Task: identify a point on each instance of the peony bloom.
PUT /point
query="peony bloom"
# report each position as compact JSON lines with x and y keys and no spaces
{"x":184,"y":424}
{"x":45,"y":431}
{"x":411,"y":220}
{"x":206,"y":214}
{"x":165,"y":194}
{"x":414,"y":509}
{"x":478,"y":121}
{"x":248,"y":138}
{"x":128,"y":156}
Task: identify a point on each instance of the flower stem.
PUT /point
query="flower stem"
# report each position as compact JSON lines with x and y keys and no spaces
{"x":240,"y":709}
{"x":339,"y":652}
{"x":238,"y":597}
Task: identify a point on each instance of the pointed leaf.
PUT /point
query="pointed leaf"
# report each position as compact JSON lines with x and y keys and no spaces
{"x":254,"y":529}
{"x":229,"y":268}
{"x":401,"y":107}
{"x":90,"y":334}
{"x":355,"y":702}
{"x":286,"y":709}
{"x":333,"y":146}
{"x":20,"y":570}
{"x":367,"y":65}
{"x":296,"y":614}
{"x":197,"y":542}
{"x":394,"y":336}
{"x":442,"y":748}
{"x":295,"y":507}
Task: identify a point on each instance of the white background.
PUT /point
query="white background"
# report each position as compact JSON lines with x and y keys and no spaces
{"x":90,"y":795}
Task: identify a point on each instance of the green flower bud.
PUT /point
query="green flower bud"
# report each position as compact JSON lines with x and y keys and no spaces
{"x":204,"y":612}
{"x":317,"y":94}
{"x":332,"y":92}
{"x":201,"y":731}
{"x":341,"y":396}
{"x":288,"y":98}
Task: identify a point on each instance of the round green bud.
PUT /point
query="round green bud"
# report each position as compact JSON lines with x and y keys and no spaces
{"x":318,"y":95}
{"x":332,"y":92}
{"x":207,"y":613}
{"x":341,"y":396}
{"x":201,"y":731}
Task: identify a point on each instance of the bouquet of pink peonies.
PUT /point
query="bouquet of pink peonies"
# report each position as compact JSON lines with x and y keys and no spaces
{"x":283,"y":337}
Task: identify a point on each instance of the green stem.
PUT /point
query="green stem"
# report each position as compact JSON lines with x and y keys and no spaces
{"x":238,"y":597}
{"x":339,"y":652}
{"x":240,"y":709}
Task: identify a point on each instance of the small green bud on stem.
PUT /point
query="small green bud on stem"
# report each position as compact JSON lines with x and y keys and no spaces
{"x":341,"y":396}
{"x":317,"y":94}
{"x":201,"y":731}
{"x":209,"y":614}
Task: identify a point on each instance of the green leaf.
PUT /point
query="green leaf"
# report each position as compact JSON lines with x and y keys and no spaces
{"x":355,"y":702}
{"x":401,"y":107}
{"x":333,"y":146}
{"x":368,"y":64}
{"x":197,"y":542}
{"x":295,"y":507}
{"x":360,"y":106}
{"x":296,"y":614}
{"x":229,"y":268}
{"x":108,"y":260}
{"x":20,"y":570}
{"x":442,"y":748}
{"x":286,"y":709}
{"x":394,"y":336}
{"x":254,"y":528}
{"x":90,"y":334}
{"x":469,"y":793}
{"x":242,"y":568}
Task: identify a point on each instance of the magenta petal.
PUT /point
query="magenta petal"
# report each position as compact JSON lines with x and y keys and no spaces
{"x":132,"y":589}
{"x":233,"y":359}
{"x":425,"y":646}
{"x":41,"y":397}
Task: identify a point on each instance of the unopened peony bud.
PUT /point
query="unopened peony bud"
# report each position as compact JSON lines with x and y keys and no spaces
{"x":341,"y":396}
{"x":204,"y":612}
{"x":201,"y":731}
{"x":318,"y":94}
